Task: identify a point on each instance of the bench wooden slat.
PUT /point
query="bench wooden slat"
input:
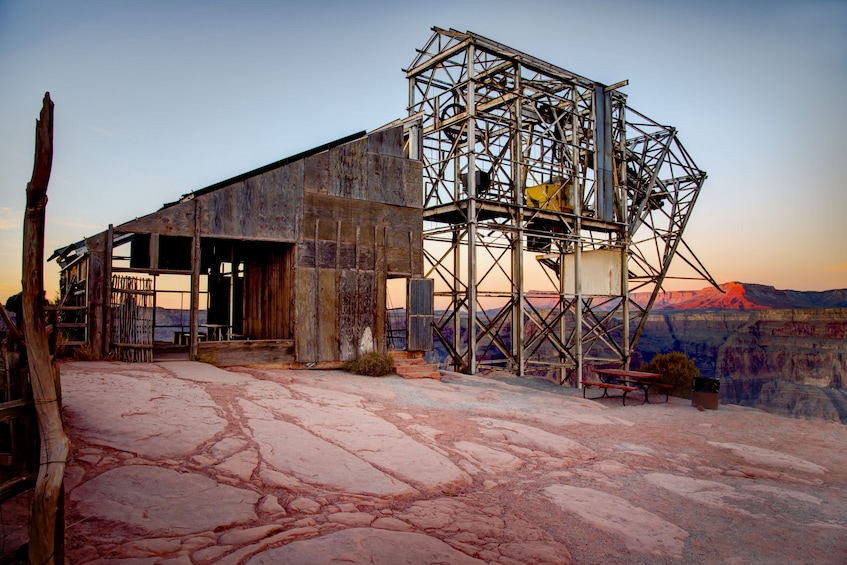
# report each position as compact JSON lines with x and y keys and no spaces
{"x":606,"y":386}
{"x":609,"y":385}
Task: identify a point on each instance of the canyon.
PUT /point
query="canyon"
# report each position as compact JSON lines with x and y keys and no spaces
{"x":781,"y":351}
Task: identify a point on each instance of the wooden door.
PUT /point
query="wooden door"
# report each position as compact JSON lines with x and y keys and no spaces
{"x":419,"y":311}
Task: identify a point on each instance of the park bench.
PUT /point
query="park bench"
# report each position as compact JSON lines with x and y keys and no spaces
{"x":627,"y":381}
{"x":606,"y":387}
{"x":663,"y":388}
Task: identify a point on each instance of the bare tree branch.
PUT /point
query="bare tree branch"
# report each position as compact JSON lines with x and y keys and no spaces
{"x":46,"y":529}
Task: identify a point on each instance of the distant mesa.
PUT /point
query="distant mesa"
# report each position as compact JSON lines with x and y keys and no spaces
{"x":735,"y":296}
{"x":783,"y":351}
{"x":745,"y":296}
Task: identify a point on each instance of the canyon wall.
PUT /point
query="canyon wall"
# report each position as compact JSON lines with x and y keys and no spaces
{"x":787,"y":361}
{"x":700,"y":335}
{"x":782,"y":351}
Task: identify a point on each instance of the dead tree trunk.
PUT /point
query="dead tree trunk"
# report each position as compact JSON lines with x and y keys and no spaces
{"x":46,"y":528}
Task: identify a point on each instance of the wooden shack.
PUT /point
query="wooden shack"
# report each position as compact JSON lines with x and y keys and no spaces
{"x":286,"y":264}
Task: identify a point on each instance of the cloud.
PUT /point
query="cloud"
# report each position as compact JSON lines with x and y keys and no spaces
{"x":840,"y":268}
{"x":67,"y":224}
{"x":10,"y":218}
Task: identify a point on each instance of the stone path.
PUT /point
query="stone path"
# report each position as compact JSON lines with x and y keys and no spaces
{"x":183,"y":463}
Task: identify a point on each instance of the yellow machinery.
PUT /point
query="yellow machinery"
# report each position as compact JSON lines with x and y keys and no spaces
{"x":550,"y":196}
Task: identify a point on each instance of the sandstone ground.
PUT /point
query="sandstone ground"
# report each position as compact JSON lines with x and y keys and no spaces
{"x":184,"y":463}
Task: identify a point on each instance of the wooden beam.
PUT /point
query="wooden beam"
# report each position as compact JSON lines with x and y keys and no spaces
{"x":13,"y":409}
{"x":153,"y":251}
{"x":17,"y":485}
{"x":13,"y":329}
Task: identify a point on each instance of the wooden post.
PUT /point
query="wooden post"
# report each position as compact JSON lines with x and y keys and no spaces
{"x":107,"y":290}
{"x":97,"y":299}
{"x":317,"y":291}
{"x":46,"y":527}
{"x":194,"y":313}
{"x":381,"y":272}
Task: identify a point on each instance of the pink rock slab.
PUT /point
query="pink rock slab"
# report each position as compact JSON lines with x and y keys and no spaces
{"x":366,"y":545}
{"x":164,"y":502}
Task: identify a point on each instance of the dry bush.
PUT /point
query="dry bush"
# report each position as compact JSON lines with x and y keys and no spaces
{"x":209,"y":358}
{"x":676,"y":369}
{"x":371,"y":364}
{"x":80,"y":353}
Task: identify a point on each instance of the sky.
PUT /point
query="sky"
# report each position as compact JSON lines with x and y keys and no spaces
{"x":156,"y":99}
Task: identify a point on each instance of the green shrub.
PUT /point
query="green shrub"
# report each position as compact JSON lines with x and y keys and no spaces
{"x":677,"y":370}
{"x":371,"y":364}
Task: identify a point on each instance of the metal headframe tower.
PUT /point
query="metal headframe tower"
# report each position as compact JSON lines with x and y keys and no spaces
{"x":536,"y":177}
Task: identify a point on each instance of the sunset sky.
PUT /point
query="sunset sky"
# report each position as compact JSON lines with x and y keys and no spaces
{"x":156,"y":99}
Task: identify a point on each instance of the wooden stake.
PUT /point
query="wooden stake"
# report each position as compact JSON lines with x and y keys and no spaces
{"x":46,"y":527}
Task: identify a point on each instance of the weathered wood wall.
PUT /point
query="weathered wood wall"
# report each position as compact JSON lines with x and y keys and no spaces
{"x":336,"y":308}
{"x":341,"y":221}
{"x":266,"y":207}
{"x":231,"y":353}
{"x":361,"y":223}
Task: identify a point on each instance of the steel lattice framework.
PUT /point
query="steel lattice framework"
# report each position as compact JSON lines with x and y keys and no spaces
{"x":534,"y":175}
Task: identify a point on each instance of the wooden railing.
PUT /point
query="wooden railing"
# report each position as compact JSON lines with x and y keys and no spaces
{"x":19,"y":445}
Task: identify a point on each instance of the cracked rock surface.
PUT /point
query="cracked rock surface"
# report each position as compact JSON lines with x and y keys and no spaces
{"x":186,"y":463}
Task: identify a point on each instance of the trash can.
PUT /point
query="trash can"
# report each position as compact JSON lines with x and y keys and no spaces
{"x":705,"y":394}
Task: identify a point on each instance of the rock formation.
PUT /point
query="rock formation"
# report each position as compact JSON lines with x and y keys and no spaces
{"x":789,"y":360}
{"x":182,"y":463}
{"x":745,"y":296}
